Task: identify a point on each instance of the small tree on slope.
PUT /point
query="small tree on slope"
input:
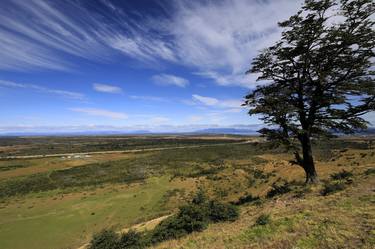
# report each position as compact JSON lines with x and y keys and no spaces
{"x":320,"y":76}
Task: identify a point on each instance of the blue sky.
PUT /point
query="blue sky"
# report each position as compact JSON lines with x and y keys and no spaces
{"x":152,"y":65}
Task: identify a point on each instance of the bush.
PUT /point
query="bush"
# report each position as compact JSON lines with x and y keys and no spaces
{"x":278,"y":189}
{"x":370,"y":171}
{"x":189,"y":219}
{"x":200,"y":198}
{"x":245,"y":199}
{"x":330,"y":188}
{"x":167,"y":229}
{"x":131,"y":240}
{"x":222,"y":212}
{"x":300,"y":193}
{"x":193,"y":217}
{"x":106,"y":239}
{"x":263,"y":219}
{"x":343,"y":175}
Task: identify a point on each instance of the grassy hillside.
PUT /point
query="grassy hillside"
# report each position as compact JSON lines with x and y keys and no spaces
{"x":302,"y":218}
{"x":60,"y":203}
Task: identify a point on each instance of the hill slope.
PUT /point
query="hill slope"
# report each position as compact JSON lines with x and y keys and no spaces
{"x":302,"y":218}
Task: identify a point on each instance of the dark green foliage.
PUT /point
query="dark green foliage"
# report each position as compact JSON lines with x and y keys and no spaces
{"x":339,"y":182}
{"x":132,"y":240}
{"x":259,"y":174}
{"x":200,"y":198}
{"x":332,"y":187}
{"x":278,"y":189}
{"x":370,"y":171}
{"x":222,"y":212}
{"x":193,"y":217}
{"x":106,"y":239}
{"x":189,"y":219}
{"x":343,"y":175}
{"x":245,"y":199}
{"x":263,"y":219}
{"x":320,"y":74}
{"x":24,"y":185}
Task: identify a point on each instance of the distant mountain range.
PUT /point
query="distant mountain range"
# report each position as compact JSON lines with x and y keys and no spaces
{"x":234,"y":131}
{"x":245,"y":130}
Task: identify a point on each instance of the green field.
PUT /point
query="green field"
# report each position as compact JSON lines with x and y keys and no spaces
{"x":55,"y":203}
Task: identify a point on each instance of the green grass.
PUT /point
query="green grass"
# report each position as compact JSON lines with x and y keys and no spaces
{"x":63,"y":206}
{"x":192,"y":162}
{"x":38,"y":223}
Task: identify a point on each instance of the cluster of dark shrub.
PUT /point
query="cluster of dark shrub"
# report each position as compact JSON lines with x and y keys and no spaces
{"x":342,"y":175}
{"x":370,"y":171}
{"x":263,"y":219}
{"x":278,"y":189}
{"x":192,"y":217}
{"x":248,"y":198}
{"x":338,"y":182}
{"x":332,"y":187}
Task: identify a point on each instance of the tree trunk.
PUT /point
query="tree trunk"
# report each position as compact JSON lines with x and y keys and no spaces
{"x":308,"y":160}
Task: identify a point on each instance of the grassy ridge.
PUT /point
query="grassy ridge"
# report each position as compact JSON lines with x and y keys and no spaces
{"x":61,"y":207}
{"x":344,"y":219}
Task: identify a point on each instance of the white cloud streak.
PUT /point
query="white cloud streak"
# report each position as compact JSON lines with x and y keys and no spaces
{"x":107,"y":88}
{"x":232,"y":104}
{"x":100,"y":113}
{"x":205,"y":100}
{"x":170,"y":80}
{"x":216,"y":39}
{"x":220,"y":38}
{"x":62,"y":93}
{"x":148,"y":98}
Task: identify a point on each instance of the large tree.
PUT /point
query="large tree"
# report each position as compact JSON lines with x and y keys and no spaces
{"x":319,"y":76}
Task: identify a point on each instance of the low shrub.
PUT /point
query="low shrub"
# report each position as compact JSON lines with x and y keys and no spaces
{"x":222,"y":212}
{"x":263,"y":219}
{"x":132,"y":240}
{"x":332,"y":187}
{"x":370,"y":171}
{"x":193,"y":217}
{"x":301,"y":192}
{"x":343,"y":175}
{"x":189,"y":219}
{"x":278,"y":189}
{"x":106,"y":239}
{"x":245,"y":199}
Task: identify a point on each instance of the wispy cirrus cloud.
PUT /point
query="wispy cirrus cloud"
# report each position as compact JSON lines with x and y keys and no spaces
{"x":62,"y":93}
{"x":205,"y":100}
{"x":232,"y":104}
{"x":219,"y":39}
{"x":100,"y":113}
{"x":37,"y":34}
{"x":148,"y":98}
{"x":215,"y":39}
{"x":105,"y":88}
{"x":170,"y":80}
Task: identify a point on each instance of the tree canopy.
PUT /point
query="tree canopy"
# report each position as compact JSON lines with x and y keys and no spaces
{"x":319,"y":76}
